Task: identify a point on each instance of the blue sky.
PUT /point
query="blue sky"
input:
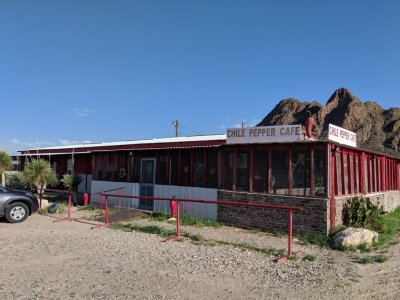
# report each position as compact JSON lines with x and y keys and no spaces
{"x":78,"y":70}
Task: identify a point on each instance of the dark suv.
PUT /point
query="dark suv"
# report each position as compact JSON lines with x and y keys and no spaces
{"x":16,"y":206}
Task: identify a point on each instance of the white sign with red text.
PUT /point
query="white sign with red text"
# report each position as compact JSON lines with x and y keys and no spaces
{"x":342,"y":136}
{"x":264,"y":134}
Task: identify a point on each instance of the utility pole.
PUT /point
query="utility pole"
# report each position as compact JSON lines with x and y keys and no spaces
{"x":176,"y":124}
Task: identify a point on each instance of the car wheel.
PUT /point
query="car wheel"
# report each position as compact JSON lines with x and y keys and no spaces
{"x":17,"y":212}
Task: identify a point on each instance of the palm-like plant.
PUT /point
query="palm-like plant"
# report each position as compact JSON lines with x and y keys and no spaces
{"x":38,"y":173}
{"x":72,"y":181}
{"x":5,"y":165}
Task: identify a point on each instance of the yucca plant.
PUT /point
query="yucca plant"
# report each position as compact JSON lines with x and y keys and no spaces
{"x":5,"y":165}
{"x":71,"y":181}
{"x":39,"y":174}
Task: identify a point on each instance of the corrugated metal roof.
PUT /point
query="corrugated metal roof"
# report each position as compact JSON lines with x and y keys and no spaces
{"x":181,"y":139}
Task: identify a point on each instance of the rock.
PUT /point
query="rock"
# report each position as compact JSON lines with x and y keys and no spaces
{"x":354,"y":237}
{"x":377,"y":129}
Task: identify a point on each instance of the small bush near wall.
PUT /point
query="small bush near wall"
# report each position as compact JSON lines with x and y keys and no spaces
{"x":361,"y":212}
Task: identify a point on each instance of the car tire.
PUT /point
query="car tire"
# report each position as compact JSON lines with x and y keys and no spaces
{"x":17,"y":212}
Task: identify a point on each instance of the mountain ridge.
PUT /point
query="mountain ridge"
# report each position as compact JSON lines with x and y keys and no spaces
{"x":377,"y":129}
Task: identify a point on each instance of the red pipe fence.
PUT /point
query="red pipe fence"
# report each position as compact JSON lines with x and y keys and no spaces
{"x":69,"y":193}
{"x":177,"y":200}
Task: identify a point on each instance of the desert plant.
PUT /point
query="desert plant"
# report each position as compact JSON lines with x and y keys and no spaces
{"x":361,"y":212}
{"x":5,"y":165}
{"x":15,"y":181}
{"x":71,"y":181}
{"x":39,"y":174}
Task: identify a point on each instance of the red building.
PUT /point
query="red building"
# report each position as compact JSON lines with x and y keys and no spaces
{"x":274,"y":165}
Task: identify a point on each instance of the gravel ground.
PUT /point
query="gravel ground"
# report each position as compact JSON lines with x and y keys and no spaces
{"x":45,"y":260}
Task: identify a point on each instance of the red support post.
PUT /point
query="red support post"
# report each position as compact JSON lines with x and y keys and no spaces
{"x":290,"y":238}
{"x":41,"y":198}
{"x":69,"y":213}
{"x":349,"y":174}
{"x":290,"y":175}
{"x":342,"y":172}
{"x":362,"y":173}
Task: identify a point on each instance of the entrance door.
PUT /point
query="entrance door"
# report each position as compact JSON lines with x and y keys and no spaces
{"x":147,"y":180}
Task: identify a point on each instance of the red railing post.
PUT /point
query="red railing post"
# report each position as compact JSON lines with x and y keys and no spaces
{"x":290,"y":232}
{"x":178,"y":221}
{"x":41,"y":198}
{"x":106,"y":217}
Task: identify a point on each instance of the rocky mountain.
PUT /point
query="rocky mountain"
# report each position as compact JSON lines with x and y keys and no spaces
{"x":376,"y":128}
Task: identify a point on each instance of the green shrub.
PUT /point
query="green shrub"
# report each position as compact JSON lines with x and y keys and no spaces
{"x":361,"y":212}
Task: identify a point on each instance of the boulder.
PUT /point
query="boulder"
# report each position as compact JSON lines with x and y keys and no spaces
{"x":354,"y":237}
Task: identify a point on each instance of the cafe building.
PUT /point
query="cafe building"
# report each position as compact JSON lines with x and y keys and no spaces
{"x":280,"y":165}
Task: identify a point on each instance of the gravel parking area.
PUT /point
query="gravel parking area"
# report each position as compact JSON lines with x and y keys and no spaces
{"x":46,"y":260}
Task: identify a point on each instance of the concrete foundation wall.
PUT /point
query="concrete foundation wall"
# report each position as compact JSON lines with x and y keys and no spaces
{"x":313,"y":220}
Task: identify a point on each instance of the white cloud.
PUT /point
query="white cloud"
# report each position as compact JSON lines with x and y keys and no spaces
{"x":64,"y":142}
{"x":83,"y":112}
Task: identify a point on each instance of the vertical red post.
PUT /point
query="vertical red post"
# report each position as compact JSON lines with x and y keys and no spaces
{"x":41,"y":198}
{"x":106,"y":216}
{"x":342,"y":172}
{"x":290,"y":175}
{"x":349,"y":174}
{"x":290,"y":232}
{"x":362,"y":173}
{"x":178,"y":221}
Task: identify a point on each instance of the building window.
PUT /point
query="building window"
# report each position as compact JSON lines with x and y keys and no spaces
{"x":301,"y":166}
{"x":198,"y":168}
{"x":228,"y":170}
{"x":211,"y":169}
{"x":319,"y":173}
{"x":162,"y":166}
{"x":242,"y":171}
{"x":260,"y":171}
{"x":279,"y":177}
{"x":185,"y":162}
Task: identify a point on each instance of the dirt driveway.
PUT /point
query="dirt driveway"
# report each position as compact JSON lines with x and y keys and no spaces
{"x":45,"y":260}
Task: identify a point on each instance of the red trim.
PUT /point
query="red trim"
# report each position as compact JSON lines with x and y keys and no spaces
{"x":335,"y":174}
{"x":362,"y":173}
{"x":383,"y":173}
{"x":373,"y":161}
{"x":355,"y":181}
{"x":342,"y":172}
{"x":334,"y":190}
{"x":290,"y":176}
{"x":349,"y":179}
{"x":147,"y":146}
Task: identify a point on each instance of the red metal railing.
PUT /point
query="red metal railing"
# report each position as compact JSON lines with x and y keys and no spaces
{"x":177,"y":200}
{"x":69,"y":193}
